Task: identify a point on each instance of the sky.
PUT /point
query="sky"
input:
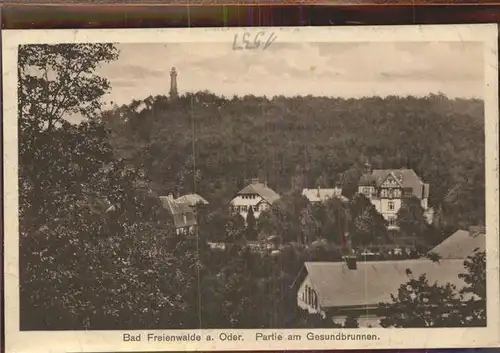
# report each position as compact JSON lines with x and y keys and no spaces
{"x":320,"y":69}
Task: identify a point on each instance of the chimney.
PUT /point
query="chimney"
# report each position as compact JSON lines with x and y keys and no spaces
{"x":173,"y":83}
{"x":170,"y":196}
{"x":352,"y":262}
{"x":368,"y":168}
{"x":255,"y":180}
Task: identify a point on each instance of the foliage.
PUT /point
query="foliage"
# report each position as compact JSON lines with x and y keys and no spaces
{"x":92,"y":237}
{"x":234,"y":228}
{"x":411,"y":220}
{"x":55,"y":80}
{"x":368,"y":227}
{"x":419,"y":303}
{"x":236,"y":139}
{"x":251,"y":225}
{"x":97,"y":250}
{"x":333,"y":219}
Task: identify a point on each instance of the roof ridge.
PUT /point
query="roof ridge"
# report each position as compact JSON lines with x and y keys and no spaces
{"x":420,"y":259}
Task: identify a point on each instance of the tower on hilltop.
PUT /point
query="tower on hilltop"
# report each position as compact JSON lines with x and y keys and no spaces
{"x":173,"y":83}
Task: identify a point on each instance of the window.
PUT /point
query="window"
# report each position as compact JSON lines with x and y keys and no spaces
{"x":391,"y":205}
{"x":244,"y":208}
{"x":392,"y":221}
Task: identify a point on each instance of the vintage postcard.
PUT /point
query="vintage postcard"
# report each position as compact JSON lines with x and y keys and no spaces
{"x":251,"y":189}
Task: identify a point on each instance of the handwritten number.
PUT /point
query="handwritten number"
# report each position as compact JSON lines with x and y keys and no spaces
{"x":248,"y":41}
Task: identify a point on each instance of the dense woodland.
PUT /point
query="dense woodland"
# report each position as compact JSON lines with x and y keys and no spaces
{"x":213,"y":146}
{"x":97,"y":249}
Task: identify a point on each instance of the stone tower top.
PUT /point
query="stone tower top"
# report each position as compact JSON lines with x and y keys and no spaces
{"x":173,"y":83}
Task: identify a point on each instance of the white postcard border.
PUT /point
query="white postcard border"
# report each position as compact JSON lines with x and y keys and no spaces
{"x":100,"y":341}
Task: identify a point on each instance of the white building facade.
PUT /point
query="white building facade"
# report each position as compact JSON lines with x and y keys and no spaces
{"x":256,"y":197}
{"x":323,"y":195}
{"x":387,"y":188}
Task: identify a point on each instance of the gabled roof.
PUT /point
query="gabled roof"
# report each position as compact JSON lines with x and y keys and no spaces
{"x":460,"y":244}
{"x":374,"y":281}
{"x":262,"y":190}
{"x":406,"y":177}
{"x":182,"y":214}
{"x":191,"y":200}
{"x":322,"y":195}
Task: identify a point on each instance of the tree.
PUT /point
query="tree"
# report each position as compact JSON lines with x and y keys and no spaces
{"x":334,"y":220}
{"x":358,"y":205}
{"x":266,"y":225}
{"x":309,"y":226}
{"x":287,"y":215}
{"x":419,"y":303}
{"x":412,"y":222}
{"x":91,"y":236}
{"x":56,"y":80}
{"x":349,"y":181}
{"x":475,"y":288}
{"x":234,"y":228}
{"x":53,"y":204}
{"x":368,"y":227}
{"x":251,"y":226}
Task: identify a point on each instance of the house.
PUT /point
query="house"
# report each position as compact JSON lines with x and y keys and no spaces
{"x":387,"y":188}
{"x":322,"y":195}
{"x":337,"y":290}
{"x":461,"y":244}
{"x":217,"y":245}
{"x":183,"y":215}
{"x":257,"y":196}
{"x":192,"y":200}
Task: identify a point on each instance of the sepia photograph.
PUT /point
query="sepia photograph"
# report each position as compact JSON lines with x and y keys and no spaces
{"x":266,"y":188}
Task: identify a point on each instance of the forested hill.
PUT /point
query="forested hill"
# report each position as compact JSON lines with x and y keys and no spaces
{"x":302,"y":141}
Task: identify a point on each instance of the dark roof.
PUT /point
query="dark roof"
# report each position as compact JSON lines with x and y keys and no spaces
{"x":406,"y":177}
{"x":191,"y":200}
{"x":262,"y":190}
{"x":182,"y":214}
{"x":374,"y":281}
{"x":460,"y":244}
